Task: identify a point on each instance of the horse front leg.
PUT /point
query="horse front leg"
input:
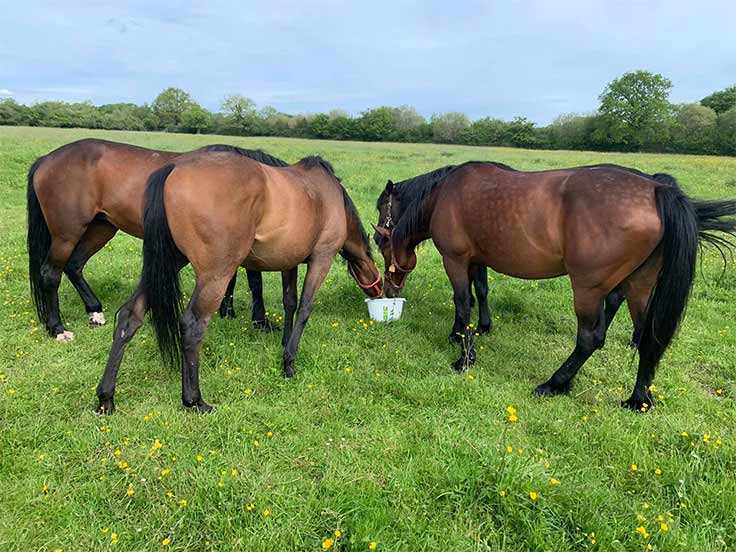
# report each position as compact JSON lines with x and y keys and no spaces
{"x":458,"y":273}
{"x":317,"y":269}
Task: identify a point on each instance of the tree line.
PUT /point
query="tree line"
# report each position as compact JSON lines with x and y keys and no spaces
{"x":634,"y":114}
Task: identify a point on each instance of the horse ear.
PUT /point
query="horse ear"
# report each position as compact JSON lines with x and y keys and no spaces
{"x":389,"y":187}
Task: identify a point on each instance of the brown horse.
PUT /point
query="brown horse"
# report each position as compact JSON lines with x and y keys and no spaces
{"x":613,"y":230}
{"x":79,"y":196}
{"x":219,"y":211}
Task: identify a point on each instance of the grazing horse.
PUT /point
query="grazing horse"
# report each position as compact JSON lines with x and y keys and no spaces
{"x":389,"y":205}
{"x":79,"y":196}
{"x":612,"y":230}
{"x":219,"y":211}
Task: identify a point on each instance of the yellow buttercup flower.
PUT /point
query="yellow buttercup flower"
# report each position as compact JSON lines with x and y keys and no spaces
{"x":554,"y":481}
{"x":372,"y":546}
{"x":533,"y":495}
{"x":327,"y":544}
{"x":166,"y":542}
{"x":634,"y":468}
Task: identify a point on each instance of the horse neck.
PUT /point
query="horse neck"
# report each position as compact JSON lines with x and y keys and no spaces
{"x":354,"y":247}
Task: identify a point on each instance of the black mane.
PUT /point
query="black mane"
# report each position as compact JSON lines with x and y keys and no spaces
{"x":314,"y":161}
{"x":352,"y":213}
{"x":256,"y":155}
{"x":413,"y":192}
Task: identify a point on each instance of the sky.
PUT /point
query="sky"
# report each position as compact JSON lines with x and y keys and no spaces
{"x":502,"y":58}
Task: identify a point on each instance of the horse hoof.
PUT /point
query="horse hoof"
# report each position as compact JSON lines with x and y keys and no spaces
{"x":638,"y":404}
{"x":105,"y":407}
{"x":96,"y":319}
{"x":265,"y":325}
{"x":460,"y":366}
{"x":289,"y":369}
{"x":548,"y":390}
{"x":199,"y":406}
{"x":65,"y":336}
{"x":227,"y":313}
{"x":484,"y":329}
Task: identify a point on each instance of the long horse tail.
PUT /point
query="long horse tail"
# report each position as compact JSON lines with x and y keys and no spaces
{"x":161,"y":265}
{"x":39,"y":243}
{"x":678,"y":250}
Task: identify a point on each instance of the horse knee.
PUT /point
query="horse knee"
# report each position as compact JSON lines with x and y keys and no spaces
{"x":50,"y":276}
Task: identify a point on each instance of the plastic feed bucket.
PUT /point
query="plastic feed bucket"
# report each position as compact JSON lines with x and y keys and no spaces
{"x":385,"y":310}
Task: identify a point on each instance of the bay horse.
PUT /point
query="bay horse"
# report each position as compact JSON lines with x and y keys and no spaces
{"x":403,"y":192}
{"x":79,"y":196}
{"x":219,"y":211}
{"x":613,"y":230}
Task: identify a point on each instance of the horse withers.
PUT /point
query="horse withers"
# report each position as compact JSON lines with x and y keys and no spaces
{"x":79,"y":196}
{"x":219,"y":211}
{"x":614,"y":231}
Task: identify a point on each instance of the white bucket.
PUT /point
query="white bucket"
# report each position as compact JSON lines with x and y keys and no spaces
{"x":385,"y":310}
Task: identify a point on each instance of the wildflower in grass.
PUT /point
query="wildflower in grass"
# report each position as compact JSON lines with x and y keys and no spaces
{"x":156,"y":445}
{"x":327,"y":544}
{"x":248,"y":391}
{"x":256,"y":443}
{"x":169,"y":494}
{"x":183,"y":503}
{"x":200,"y":458}
{"x":269,"y":434}
{"x":165,"y":471}
{"x":234,"y":472}
{"x":266,"y":512}
{"x":114,"y":538}
{"x":348,"y":370}
{"x":533,"y":496}
{"x":657,"y":472}
{"x":554,"y":481}
{"x":585,"y":418}
{"x":58,"y":550}
{"x":634,"y":468}
{"x":649,"y":546}
{"x":509,"y":449}
{"x":719,"y":391}
{"x":502,"y":493}
{"x":640,"y":517}
{"x":105,"y":529}
{"x":334,"y":325}
{"x":220,"y":484}
{"x":685,"y":434}
{"x":470,"y":377}
{"x":338,"y":533}
{"x":718,"y":442}
{"x":250,"y":507}
{"x":664,"y":527}
{"x":45,"y":489}
{"x":642,"y":531}
{"x":118,"y":452}
{"x":372,"y":546}
{"x":11,"y":391}
{"x":166,"y":542}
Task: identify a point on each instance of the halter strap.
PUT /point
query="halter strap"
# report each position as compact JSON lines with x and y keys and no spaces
{"x":373,"y":286}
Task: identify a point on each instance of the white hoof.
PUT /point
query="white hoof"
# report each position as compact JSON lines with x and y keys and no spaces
{"x":65,"y":336}
{"x":97,"y":319}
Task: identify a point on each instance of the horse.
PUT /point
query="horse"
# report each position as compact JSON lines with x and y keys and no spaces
{"x":79,"y":196}
{"x":614,"y":231}
{"x":219,"y":211}
{"x":479,"y":281}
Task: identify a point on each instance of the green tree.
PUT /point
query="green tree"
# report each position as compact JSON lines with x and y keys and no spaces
{"x":375,"y":124}
{"x":636,"y":109}
{"x":170,"y":105}
{"x":727,"y":132}
{"x":571,"y":131}
{"x":694,"y":130}
{"x":240,"y":113}
{"x":13,"y":113}
{"x":721,"y":101}
{"x":196,"y":120}
{"x":448,"y":127}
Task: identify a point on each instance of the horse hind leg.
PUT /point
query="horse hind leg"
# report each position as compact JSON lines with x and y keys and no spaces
{"x":590,"y":312}
{"x":208,"y":294}
{"x":129,"y":319}
{"x":51,"y":270}
{"x":480,"y":283}
{"x":97,"y":235}
{"x":638,"y":290}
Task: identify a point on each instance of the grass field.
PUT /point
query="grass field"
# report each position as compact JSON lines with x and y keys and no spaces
{"x":375,"y":438}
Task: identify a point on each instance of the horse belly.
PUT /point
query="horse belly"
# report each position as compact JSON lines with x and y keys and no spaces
{"x":276,"y":255}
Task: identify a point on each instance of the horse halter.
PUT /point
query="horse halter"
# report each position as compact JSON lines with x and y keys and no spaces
{"x":374,"y":286}
{"x":389,"y":219}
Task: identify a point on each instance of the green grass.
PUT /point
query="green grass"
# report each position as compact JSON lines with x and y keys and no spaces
{"x":375,"y":437}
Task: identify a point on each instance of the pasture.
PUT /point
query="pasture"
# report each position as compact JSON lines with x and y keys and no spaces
{"x":375,"y":444}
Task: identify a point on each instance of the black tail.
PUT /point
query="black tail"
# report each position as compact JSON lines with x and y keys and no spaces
{"x":679,"y":251}
{"x":711,"y":218}
{"x":162,"y":261}
{"x":39,"y":243}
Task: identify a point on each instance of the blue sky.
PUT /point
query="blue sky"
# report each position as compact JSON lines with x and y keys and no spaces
{"x":497,"y":58}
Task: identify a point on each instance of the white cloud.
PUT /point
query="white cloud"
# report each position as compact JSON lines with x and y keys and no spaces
{"x":5,"y":92}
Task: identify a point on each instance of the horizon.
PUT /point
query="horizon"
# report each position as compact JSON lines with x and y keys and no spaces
{"x":301,"y":59}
